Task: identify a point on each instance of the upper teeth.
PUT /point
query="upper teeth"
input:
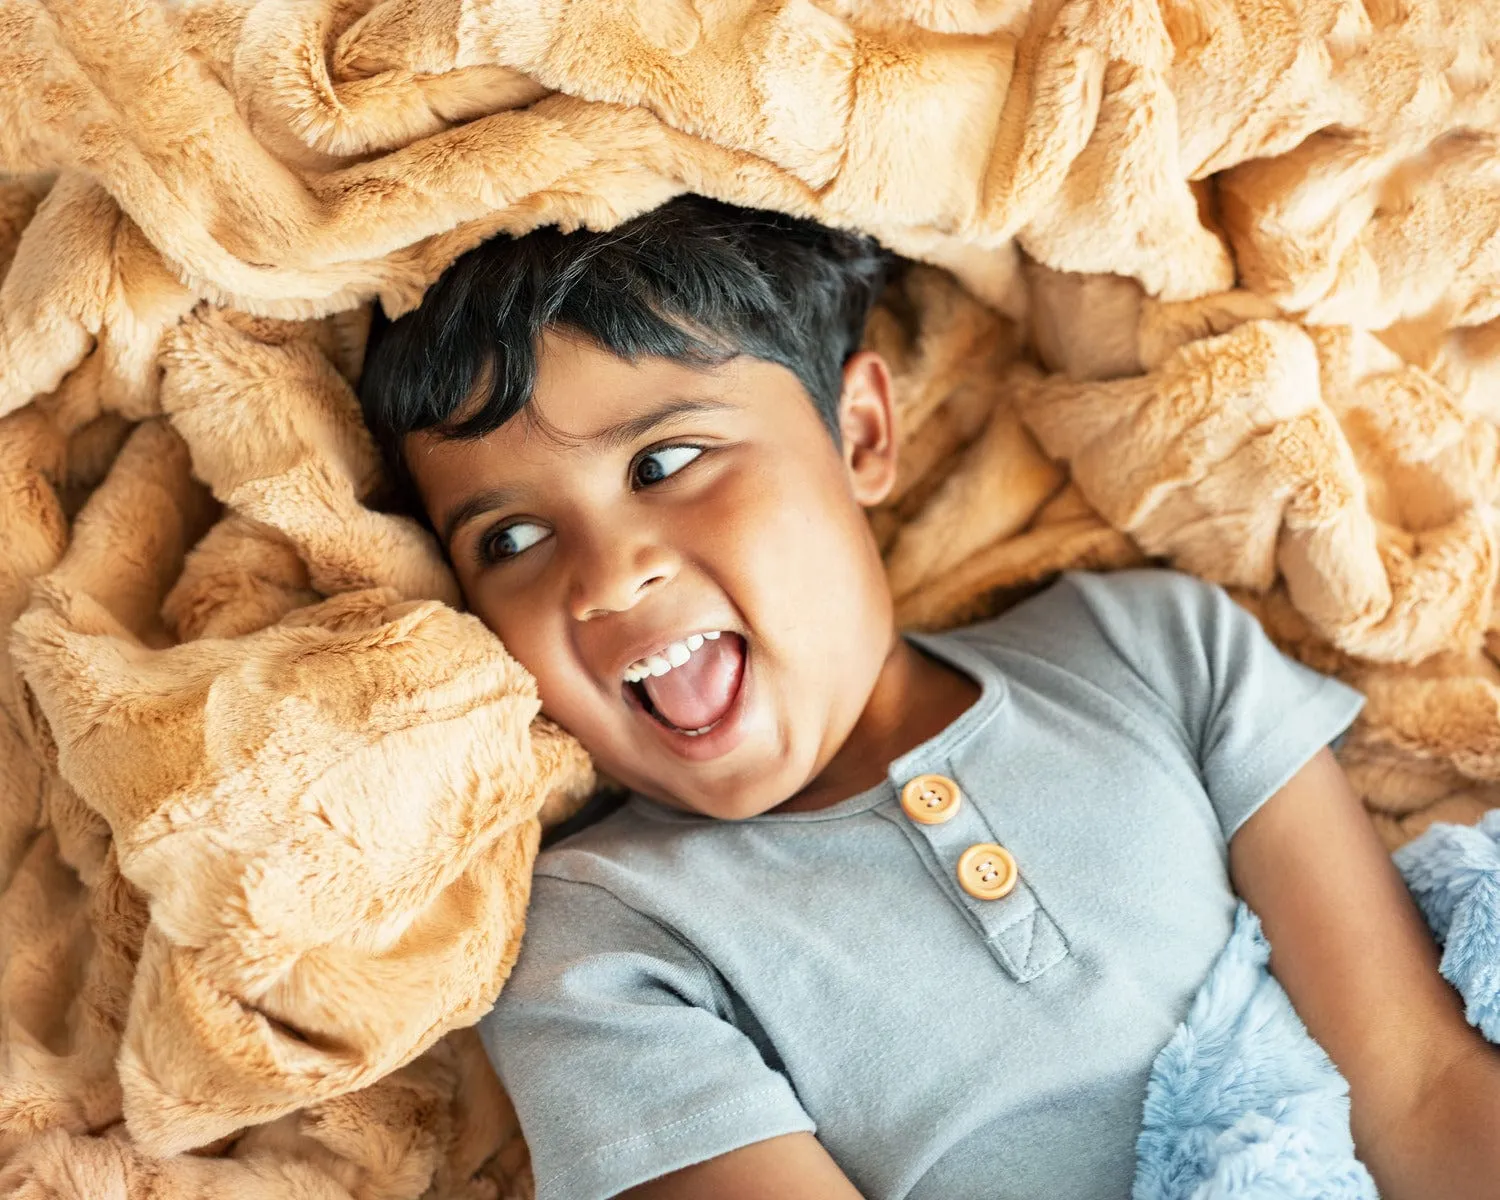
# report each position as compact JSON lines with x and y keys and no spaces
{"x":674,"y":655}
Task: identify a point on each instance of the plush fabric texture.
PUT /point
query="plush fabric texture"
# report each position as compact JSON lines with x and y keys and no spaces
{"x":1211,"y":282}
{"x":1243,"y":1105}
{"x":1454,"y":873}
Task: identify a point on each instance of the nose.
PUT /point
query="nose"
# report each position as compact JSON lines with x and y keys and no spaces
{"x":613,"y":571}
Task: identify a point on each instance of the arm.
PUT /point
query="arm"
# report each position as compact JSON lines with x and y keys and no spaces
{"x":1361,"y":968}
{"x":791,"y":1167}
{"x":613,"y":1038}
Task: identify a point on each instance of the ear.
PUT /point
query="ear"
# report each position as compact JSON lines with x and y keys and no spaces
{"x":867,"y":426}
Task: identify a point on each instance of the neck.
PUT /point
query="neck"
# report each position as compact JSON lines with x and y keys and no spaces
{"x":915,"y":697}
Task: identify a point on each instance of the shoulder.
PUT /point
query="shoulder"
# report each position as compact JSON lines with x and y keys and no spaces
{"x":1158,"y":643}
{"x":598,"y":925}
{"x":602,"y":931}
{"x":1088,"y":623}
{"x":1086,"y":601}
{"x":628,"y":868}
{"x":635,"y":836}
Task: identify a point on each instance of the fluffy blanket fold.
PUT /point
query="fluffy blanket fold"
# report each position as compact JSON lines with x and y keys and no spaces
{"x":1243,"y":1105}
{"x":1213,"y":282}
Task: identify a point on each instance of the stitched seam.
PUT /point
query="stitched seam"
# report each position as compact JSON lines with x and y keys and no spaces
{"x":1019,"y":917}
{"x":1023,"y":959}
{"x":1016,"y":966}
{"x":970,"y":908}
{"x":1318,"y":700}
{"x":678,"y":1127}
{"x":967,"y":654}
{"x":1263,"y":755}
{"x":1060,"y":953}
{"x":956,"y":650}
{"x":711,"y":975}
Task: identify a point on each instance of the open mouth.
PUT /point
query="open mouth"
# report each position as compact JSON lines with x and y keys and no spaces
{"x":644,"y":697}
{"x":695,"y":695}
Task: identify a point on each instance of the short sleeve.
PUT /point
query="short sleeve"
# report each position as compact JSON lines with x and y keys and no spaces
{"x":1253,"y":715}
{"x":614,"y":1041}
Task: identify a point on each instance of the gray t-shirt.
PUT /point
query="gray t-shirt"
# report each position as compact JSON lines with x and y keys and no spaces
{"x":689,"y":985}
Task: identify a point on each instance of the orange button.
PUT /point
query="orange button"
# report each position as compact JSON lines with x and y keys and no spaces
{"x":931,"y":799}
{"x":987,"y":871}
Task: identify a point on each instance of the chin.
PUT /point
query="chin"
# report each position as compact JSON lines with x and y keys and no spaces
{"x":726,"y":804}
{"x":757,"y":783}
{"x":752,"y":802}
{"x":744,"y":810}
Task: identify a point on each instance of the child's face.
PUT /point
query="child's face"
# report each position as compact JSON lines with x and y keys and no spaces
{"x":635,"y":505}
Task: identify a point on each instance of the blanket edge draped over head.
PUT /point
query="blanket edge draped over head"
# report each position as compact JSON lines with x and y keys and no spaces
{"x":1210,"y":283}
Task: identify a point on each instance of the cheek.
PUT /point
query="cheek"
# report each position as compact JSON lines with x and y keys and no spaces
{"x":802,"y":561}
{"x":533,"y":636}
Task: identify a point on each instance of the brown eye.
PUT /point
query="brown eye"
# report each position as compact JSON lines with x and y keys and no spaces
{"x":506,"y":541}
{"x":656,"y":465}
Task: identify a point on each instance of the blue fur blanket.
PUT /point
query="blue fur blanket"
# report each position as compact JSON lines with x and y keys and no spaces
{"x":1243,"y":1105}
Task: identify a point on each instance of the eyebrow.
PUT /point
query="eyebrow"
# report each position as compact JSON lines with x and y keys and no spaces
{"x":611,"y":437}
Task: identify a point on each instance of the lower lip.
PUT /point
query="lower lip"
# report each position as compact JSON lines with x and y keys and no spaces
{"x":719,"y":740}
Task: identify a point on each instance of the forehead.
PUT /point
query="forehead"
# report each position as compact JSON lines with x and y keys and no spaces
{"x":581,"y":389}
{"x":586,"y":402}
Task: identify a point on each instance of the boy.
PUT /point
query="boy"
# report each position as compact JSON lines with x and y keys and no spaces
{"x":884,"y":916}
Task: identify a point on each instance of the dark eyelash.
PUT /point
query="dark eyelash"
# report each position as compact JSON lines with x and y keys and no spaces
{"x":481,"y":551}
{"x":482,"y":555}
{"x":650,"y":450}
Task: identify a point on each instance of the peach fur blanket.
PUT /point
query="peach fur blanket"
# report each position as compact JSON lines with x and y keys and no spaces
{"x":1211,"y":282}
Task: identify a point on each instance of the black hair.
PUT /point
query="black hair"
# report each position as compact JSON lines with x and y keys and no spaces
{"x":695,"y":281}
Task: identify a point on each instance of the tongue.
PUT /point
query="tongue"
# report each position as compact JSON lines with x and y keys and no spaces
{"x":700,"y":691}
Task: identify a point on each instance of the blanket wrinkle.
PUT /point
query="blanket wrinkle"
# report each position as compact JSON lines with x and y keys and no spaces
{"x":1242,"y":1103}
{"x":1204,"y":282}
{"x":224,"y":383}
{"x":1454,"y":874}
